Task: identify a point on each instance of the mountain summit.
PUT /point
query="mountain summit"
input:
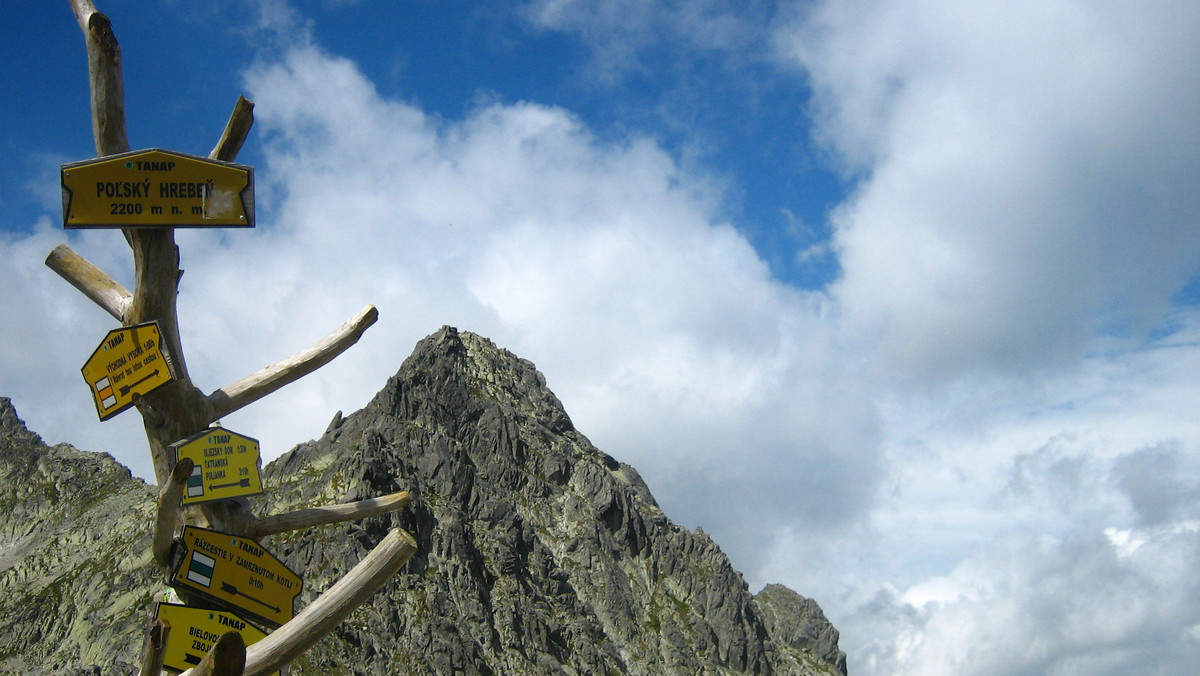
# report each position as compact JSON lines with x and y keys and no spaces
{"x":538,"y":553}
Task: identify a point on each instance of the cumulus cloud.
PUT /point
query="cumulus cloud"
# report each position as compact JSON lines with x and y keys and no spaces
{"x":1161,"y":484}
{"x":48,"y":333}
{"x":607,"y":264}
{"x":1058,"y":594}
{"x":1036,"y":605}
{"x":1023,"y":182}
{"x":1012,"y":530}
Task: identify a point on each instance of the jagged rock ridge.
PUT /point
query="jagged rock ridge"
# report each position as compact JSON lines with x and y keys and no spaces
{"x":538,"y":552}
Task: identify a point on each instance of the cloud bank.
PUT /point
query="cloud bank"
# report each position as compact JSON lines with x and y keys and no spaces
{"x":1026,"y":173}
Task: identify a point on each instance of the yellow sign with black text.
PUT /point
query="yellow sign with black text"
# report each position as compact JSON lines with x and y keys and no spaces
{"x":226,"y":465}
{"x":157,"y":188}
{"x":236,"y":571}
{"x":129,"y":363}
{"x":194,"y":631}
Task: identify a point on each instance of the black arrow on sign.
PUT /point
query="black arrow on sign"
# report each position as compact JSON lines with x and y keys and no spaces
{"x":125,"y":388}
{"x":244,"y":483}
{"x":191,"y":659}
{"x":230,"y":589}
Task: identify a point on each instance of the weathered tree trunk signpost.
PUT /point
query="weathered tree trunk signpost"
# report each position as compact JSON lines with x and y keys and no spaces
{"x":205,"y":538}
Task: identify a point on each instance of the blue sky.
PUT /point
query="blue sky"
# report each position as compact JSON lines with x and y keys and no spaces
{"x":898,"y":301}
{"x":736,"y":118}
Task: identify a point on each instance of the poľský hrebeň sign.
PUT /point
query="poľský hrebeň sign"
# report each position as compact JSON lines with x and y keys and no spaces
{"x":157,"y":188}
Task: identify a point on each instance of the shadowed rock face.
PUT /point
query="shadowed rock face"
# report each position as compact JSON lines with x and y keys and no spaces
{"x":799,"y":626}
{"x":74,"y":556}
{"x":538,"y":552}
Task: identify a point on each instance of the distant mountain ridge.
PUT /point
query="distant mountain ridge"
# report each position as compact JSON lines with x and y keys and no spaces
{"x":539,"y":553}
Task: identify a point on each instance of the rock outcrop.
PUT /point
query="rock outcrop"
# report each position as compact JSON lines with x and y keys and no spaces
{"x":539,"y":553}
{"x":798,"y":624}
{"x":75,"y":570}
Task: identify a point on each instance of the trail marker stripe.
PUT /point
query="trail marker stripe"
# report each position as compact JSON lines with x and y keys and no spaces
{"x":195,"y":482}
{"x":201,"y":570}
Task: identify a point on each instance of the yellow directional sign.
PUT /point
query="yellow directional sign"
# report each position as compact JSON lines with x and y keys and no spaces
{"x":195,"y":630}
{"x":226,"y":465}
{"x":157,"y":188}
{"x":129,"y":362}
{"x":236,"y":571}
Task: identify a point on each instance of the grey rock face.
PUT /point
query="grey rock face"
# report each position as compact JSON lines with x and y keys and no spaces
{"x":799,"y":626}
{"x":538,"y":553}
{"x":74,"y":557}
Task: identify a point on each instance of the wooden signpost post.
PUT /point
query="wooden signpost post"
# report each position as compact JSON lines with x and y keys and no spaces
{"x":209,"y":553}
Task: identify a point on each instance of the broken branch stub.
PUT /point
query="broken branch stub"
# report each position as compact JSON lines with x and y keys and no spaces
{"x":235,"y":132}
{"x":104,"y":79}
{"x":154,"y":647}
{"x":93,"y":282}
{"x":227,"y":657}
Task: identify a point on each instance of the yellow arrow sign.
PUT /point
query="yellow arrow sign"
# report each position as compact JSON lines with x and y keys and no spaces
{"x":236,"y":571}
{"x":157,"y":188}
{"x":226,"y":465}
{"x":129,"y":362}
{"x":195,"y":630}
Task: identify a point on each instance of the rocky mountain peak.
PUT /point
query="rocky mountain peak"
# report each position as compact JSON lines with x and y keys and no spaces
{"x":538,"y":553}
{"x":542,"y":552}
{"x":13,"y":432}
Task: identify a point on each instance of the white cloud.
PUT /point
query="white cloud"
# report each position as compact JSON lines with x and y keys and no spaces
{"x":1024,"y":181}
{"x":1036,"y":605}
{"x":604,"y":263}
{"x":49,"y":330}
{"x":1159,"y":482}
{"x":1024,"y":530}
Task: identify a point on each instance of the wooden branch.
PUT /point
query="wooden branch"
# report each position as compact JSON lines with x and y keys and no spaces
{"x":103,"y":290}
{"x":105,"y":79}
{"x":226,"y":658}
{"x":258,"y":385}
{"x":154,"y":647}
{"x":236,"y":131}
{"x":169,"y":499}
{"x":320,"y":516}
{"x":322,"y":615}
